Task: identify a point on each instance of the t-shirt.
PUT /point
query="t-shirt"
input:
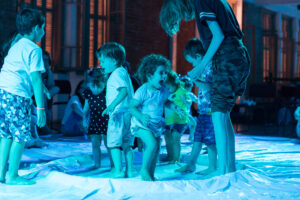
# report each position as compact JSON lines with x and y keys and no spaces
{"x":96,"y":107}
{"x":23,"y":58}
{"x":215,"y":10}
{"x":118,"y":79}
{"x":179,"y":98}
{"x":74,"y":100}
{"x":151,"y":102}
{"x":204,"y":105}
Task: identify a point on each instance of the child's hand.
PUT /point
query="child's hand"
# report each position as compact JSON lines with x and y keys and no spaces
{"x":172,"y":97}
{"x":108,"y":110}
{"x":145,"y":119}
{"x":41,"y":118}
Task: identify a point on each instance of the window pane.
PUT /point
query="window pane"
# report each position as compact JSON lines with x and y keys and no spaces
{"x":92,"y":7}
{"x":91,"y":49}
{"x":48,"y":32}
{"x":39,"y":3}
{"x":49,"y":4}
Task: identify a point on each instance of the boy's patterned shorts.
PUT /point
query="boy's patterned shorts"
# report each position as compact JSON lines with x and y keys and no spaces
{"x":231,"y":68}
{"x":118,"y":131}
{"x":15,"y":117}
{"x":205,"y":130}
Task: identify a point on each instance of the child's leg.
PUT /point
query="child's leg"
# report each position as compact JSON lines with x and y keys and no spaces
{"x":116,"y":156}
{"x":108,"y":151}
{"x":191,"y":165}
{"x":169,"y":145}
{"x":176,"y":146}
{"x":129,"y":160}
{"x":154,"y":160}
{"x":96,"y":143}
{"x":193,"y":124}
{"x":212,"y":161}
{"x":231,"y":145}
{"x":15,"y":155}
{"x":149,"y":153}
{"x":5,"y":146}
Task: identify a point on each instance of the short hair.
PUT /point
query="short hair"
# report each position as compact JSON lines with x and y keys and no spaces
{"x":187,"y":82}
{"x":96,"y":77}
{"x":173,"y":79}
{"x":149,"y":65}
{"x":193,"y":47}
{"x":27,"y":19}
{"x":113,"y":50}
{"x":173,"y":11}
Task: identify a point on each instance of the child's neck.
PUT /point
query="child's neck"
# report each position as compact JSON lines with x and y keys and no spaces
{"x":29,"y":37}
{"x":150,"y":86}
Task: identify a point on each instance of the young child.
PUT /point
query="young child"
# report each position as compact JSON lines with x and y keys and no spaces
{"x":119,"y":92}
{"x":94,"y":105}
{"x":193,"y":53}
{"x":146,"y":108}
{"x":188,"y":85}
{"x":221,"y":37}
{"x":176,"y":123}
{"x":21,"y":71}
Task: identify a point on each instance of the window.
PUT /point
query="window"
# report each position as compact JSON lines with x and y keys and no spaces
{"x":286,"y":48}
{"x":269,"y":46}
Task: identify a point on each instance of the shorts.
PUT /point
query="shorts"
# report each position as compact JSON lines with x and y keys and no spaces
{"x":118,"y":131}
{"x":231,"y":68}
{"x":15,"y":117}
{"x":180,"y":128}
{"x":205,"y":130}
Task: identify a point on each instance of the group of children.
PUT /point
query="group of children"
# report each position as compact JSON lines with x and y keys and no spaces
{"x":160,"y":105}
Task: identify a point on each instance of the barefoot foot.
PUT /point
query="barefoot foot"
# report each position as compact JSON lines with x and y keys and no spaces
{"x":206,"y":171}
{"x":19,"y":181}
{"x":186,"y":169}
{"x":146,"y":176}
{"x":117,"y":175}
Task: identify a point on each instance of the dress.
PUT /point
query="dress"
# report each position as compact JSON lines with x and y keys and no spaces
{"x":97,"y":104}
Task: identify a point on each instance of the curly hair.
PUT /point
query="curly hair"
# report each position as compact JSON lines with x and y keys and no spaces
{"x":149,"y":65}
{"x":173,"y":79}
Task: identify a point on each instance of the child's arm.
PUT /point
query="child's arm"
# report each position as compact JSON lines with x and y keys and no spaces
{"x":46,"y":91}
{"x":202,"y":85}
{"x":85,"y":113}
{"x":170,"y":105}
{"x":121,"y":96}
{"x":193,"y":97}
{"x":145,"y":119}
{"x":217,"y":39}
{"x":39,"y":97}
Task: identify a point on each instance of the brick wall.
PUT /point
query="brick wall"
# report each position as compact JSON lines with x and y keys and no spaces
{"x":143,"y":33}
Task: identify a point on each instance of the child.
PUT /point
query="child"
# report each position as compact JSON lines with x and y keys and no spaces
{"x":188,"y":85}
{"x":119,"y":92}
{"x":176,"y":124}
{"x":147,"y":110}
{"x":21,"y":71}
{"x":221,"y":37}
{"x":94,"y":105}
{"x":297,"y":117}
{"x":71,"y":123}
{"x":193,"y":53}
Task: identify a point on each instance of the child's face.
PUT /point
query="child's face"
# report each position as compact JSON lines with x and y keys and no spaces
{"x":171,"y":88}
{"x":108,"y":64}
{"x":39,"y":33}
{"x":194,"y":60}
{"x":96,"y":90}
{"x":158,"y":78}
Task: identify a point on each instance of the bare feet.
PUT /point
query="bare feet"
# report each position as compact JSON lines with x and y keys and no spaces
{"x":186,"y":169}
{"x":211,"y":174}
{"x":166,"y":159}
{"x":130,"y":173}
{"x":146,"y":176}
{"x":19,"y":181}
{"x":117,"y":174}
{"x":206,"y":171}
{"x":173,"y":162}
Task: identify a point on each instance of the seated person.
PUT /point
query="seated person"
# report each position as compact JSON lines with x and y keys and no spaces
{"x":71,"y":124}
